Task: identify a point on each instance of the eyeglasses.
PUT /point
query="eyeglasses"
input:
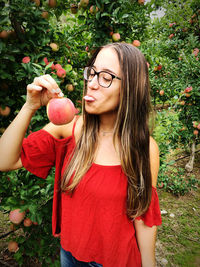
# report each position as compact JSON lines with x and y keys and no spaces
{"x":104,"y":78}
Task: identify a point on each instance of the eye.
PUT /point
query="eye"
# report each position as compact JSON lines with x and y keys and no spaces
{"x":106,"y":76}
{"x":91,"y":73}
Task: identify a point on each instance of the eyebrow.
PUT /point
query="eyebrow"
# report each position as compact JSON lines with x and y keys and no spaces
{"x":106,"y":70}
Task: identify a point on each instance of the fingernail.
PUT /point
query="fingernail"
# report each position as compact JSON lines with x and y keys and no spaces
{"x":60,"y":94}
{"x":53,"y":90}
{"x":57,"y":90}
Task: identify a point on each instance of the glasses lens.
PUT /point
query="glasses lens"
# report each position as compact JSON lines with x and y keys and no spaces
{"x":105,"y":79}
{"x":89,"y":74}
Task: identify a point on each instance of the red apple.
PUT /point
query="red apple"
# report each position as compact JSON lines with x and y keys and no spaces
{"x":46,"y":60}
{"x":37,"y":2}
{"x":53,"y":67}
{"x":195,"y":132}
{"x":161,"y":92}
{"x":45,"y":14}
{"x":93,"y":10}
{"x":141,"y":2}
{"x":16,"y":216}
{"x":61,"y":73}
{"x":26,"y":60}
{"x":13,"y":246}
{"x":195,"y":52}
{"x":5,"y":111}
{"x":60,"y":110}
{"x":52,"y":3}
{"x":136,"y":43}
{"x":188,"y":89}
{"x":171,"y":36}
{"x":4,"y":34}
{"x":27,"y":222}
{"x":116,"y":37}
{"x":57,"y":66}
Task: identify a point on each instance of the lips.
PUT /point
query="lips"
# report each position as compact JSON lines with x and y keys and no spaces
{"x":89,"y":98}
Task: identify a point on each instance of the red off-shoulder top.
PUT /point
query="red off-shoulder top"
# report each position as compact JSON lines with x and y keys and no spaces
{"x":92,"y":223}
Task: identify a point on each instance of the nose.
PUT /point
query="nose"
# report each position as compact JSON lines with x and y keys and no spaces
{"x":94,"y":84}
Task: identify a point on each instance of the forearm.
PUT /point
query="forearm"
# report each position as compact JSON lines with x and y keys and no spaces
{"x":11,"y":140}
{"x":148,"y":257}
{"x":146,"y":239}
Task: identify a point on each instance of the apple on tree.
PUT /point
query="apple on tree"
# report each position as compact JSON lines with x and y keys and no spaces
{"x":54,"y":47}
{"x":4,"y":34}
{"x":136,"y":43}
{"x":161,"y":92}
{"x":116,"y":37}
{"x":69,"y":87}
{"x":93,"y":10}
{"x":45,"y":14}
{"x":26,"y":60}
{"x":61,"y":73}
{"x":5,"y":111}
{"x":16,"y":216}
{"x":52,"y":3}
{"x":13,"y":246}
{"x":27,"y":222}
{"x":84,"y":3}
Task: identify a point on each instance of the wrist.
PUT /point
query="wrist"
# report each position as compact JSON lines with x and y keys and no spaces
{"x":28,"y":108}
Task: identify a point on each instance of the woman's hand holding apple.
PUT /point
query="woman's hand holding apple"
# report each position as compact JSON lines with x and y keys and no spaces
{"x":41,"y":91}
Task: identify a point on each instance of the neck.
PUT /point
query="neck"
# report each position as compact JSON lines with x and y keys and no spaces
{"x":107,"y":123}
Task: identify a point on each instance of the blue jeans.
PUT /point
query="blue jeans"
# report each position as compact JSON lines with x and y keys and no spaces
{"x":67,"y":260}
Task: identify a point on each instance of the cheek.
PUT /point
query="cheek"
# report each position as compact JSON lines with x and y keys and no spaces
{"x":114,"y":101}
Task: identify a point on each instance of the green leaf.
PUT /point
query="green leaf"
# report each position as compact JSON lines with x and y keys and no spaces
{"x":48,"y":66}
{"x":37,"y":66}
{"x":125,"y":16}
{"x":68,"y":67}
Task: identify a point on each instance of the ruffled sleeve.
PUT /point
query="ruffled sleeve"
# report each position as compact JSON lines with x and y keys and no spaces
{"x":38,"y":153}
{"x":153,"y":215}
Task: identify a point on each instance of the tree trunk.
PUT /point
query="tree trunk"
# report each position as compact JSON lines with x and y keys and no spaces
{"x":190,"y":164}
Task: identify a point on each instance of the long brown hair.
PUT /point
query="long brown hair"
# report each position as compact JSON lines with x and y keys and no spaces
{"x":131,"y":131}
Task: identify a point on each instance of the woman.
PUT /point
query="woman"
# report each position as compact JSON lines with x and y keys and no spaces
{"x":105,"y":206}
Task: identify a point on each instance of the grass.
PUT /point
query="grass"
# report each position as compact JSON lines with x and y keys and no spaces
{"x":179,"y":237}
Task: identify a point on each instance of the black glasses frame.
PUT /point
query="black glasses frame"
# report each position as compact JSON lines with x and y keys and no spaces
{"x":97,"y":73}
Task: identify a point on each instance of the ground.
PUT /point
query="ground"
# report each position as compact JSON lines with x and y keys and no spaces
{"x":178,"y":238}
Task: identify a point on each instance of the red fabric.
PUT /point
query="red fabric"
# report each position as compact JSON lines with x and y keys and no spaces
{"x":92,"y":222}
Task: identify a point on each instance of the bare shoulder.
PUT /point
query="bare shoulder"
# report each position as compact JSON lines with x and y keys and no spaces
{"x":154,"y":160}
{"x":62,"y":131}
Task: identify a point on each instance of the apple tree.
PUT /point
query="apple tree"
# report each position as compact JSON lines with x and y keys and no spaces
{"x":174,"y":69}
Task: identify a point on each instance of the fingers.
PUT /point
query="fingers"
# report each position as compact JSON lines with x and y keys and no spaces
{"x":32,"y":86}
{"x":45,"y":81}
{"x":49,"y":79}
